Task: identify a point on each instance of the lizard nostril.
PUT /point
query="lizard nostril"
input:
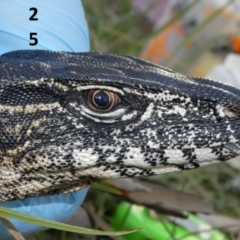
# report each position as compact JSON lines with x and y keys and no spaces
{"x":230,"y":112}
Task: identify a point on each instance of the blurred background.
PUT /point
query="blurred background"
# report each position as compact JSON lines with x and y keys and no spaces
{"x":194,"y":37}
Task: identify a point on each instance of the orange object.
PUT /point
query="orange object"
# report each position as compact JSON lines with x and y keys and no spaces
{"x":158,"y":49}
{"x":235,"y":44}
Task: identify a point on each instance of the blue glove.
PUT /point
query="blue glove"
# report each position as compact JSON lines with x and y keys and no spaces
{"x":61,"y":26}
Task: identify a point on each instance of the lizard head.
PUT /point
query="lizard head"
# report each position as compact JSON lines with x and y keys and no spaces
{"x":71,"y":119}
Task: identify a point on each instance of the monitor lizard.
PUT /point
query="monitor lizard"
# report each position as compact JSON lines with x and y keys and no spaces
{"x":69,"y":120}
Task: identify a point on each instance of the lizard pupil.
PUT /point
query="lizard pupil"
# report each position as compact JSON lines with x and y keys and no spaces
{"x":101,"y":99}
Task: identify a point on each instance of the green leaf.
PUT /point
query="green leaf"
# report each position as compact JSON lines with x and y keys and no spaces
{"x":7,"y":213}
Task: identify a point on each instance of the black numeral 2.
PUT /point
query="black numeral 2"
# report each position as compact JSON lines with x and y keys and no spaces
{"x":32,"y":18}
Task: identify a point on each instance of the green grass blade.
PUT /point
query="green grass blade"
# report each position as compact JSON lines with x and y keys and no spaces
{"x":8,"y":213}
{"x":110,"y":188}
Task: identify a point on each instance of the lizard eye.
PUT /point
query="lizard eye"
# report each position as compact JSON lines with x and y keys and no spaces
{"x":102,"y":100}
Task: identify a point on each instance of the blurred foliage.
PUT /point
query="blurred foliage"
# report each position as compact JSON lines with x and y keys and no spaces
{"x":115,"y":27}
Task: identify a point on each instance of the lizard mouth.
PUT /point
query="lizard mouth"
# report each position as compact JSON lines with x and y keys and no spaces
{"x":234,"y":147}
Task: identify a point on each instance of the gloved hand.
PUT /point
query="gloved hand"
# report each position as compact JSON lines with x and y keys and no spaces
{"x":61,"y":26}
